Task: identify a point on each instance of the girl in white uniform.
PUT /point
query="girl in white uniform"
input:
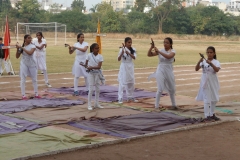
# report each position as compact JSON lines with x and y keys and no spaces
{"x":209,"y":85}
{"x":93,"y":64}
{"x":81,"y":55}
{"x":164,"y":74}
{"x":28,"y":66}
{"x":126,"y":72}
{"x":40,"y":56}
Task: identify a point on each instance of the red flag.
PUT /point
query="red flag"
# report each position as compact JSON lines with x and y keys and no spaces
{"x":7,"y":39}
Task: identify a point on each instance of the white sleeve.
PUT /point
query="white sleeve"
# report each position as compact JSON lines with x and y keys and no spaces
{"x":88,"y":57}
{"x":217,"y":64}
{"x":120,"y":52}
{"x":173,"y":50}
{"x":100,"y":58}
{"x":135,"y":53}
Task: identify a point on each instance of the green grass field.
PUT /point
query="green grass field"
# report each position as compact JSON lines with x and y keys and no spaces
{"x":58,"y":59}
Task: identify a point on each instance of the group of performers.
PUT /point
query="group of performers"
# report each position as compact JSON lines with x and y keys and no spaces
{"x":88,"y":65}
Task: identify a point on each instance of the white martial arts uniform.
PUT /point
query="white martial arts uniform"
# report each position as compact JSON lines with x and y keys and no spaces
{"x":126,"y":77}
{"x":3,"y":62}
{"x":28,"y":67}
{"x":40,"y":58}
{"x":165,"y":77}
{"x":77,"y":69}
{"x":94,"y":77}
{"x":209,"y":87}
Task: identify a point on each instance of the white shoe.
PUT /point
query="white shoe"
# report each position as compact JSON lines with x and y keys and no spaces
{"x":120,"y":101}
{"x":90,"y":108}
{"x":48,"y":85}
{"x":98,"y":106}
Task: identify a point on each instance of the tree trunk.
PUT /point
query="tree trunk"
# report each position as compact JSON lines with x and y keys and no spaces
{"x":160,"y":27}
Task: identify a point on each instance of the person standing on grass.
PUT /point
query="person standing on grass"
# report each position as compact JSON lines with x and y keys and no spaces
{"x":2,"y":56}
{"x":40,"y":59}
{"x":164,"y":74}
{"x":93,"y":64}
{"x":28,"y":65}
{"x":81,"y":55}
{"x":209,"y":85}
{"x":126,"y":77}
{"x":44,"y":48}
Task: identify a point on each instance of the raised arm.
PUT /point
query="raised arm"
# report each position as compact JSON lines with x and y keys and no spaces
{"x":167,"y":56}
{"x":150,"y":53}
{"x":121,"y":54}
{"x":81,"y":49}
{"x":197,"y":67}
{"x":216,"y":69}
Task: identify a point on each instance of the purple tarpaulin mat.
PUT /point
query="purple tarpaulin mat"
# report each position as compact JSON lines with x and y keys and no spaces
{"x":133,"y":125}
{"x":23,"y":105}
{"x":14,"y":125}
{"x":107,"y":93}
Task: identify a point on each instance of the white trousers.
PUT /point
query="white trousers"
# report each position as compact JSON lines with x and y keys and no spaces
{"x":76,"y":80}
{"x":129,"y":90}
{"x":33,"y":72}
{"x":7,"y":67}
{"x":209,"y":109}
{"x":93,"y":80}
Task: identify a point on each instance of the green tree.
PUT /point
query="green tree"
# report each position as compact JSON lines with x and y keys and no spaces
{"x":76,"y":22}
{"x":28,"y":10}
{"x":55,"y":8}
{"x":104,"y":7}
{"x":78,"y":5}
{"x":94,"y":8}
{"x":162,"y":9}
{"x":5,"y":6}
{"x":141,"y":4}
{"x":178,"y":22}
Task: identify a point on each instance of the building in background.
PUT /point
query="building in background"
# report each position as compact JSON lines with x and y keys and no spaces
{"x":120,"y":4}
{"x":13,"y":2}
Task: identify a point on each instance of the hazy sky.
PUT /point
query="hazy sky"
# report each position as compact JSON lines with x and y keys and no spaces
{"x":88,"y":3}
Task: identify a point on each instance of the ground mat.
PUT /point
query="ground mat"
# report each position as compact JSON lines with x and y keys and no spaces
{"x":44,"y":140}
{"x":23,"y":105}
{"x":15,"y":125}
{"x":107,"y":93}
{"x":73,"y":113}
{"x":133,"y":125}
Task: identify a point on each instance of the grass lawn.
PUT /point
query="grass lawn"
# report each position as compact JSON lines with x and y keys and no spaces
{"x":58,"y":59}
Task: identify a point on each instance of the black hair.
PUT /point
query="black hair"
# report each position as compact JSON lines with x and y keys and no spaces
{"x":170,"y":41}
{"x":25,"y":37}
{"x":79,"y":35}
{"x":92,"y":47}
{"x":40,"y":34}
{"x":1,"y":38}
{"x":213,"y":49}
{"x":131,"y":49}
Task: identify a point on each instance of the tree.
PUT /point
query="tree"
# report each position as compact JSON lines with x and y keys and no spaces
{"x":78,"y":5}
{"x":55,"y":8}
{"x":28,"y":10}
{"x":104,"y":7}
{"x":5,"y":6}
{"x":162,"y":9}
{"x":141,"y":4}
{"x":76,"y":22}
{"x":94,"y":8}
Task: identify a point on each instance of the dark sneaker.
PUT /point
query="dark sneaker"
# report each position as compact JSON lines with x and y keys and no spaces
{"x":75,"y":93}
{"x":214,"y":117}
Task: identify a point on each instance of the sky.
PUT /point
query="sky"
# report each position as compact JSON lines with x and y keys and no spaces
{"x":88,"y":3}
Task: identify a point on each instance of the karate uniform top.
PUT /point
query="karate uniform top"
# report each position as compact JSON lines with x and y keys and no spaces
{"x":209,"y":85}
{"x":93,"y":60}
{"x":27,"y":59}
{"x":164,"y":74}
{"x":80,"y":56}
{"x":126,"y":71}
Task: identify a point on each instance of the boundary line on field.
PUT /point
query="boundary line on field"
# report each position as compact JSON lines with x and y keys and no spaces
{"x":124,"y":140}
{"x":134,"y":68}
